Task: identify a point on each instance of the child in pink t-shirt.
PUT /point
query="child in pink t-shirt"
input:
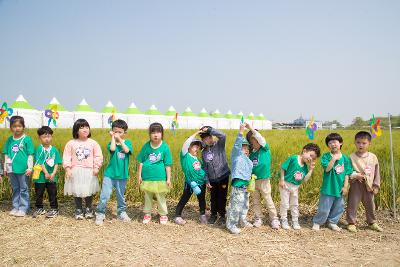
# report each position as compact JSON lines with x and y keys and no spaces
{"x":82,"y":160}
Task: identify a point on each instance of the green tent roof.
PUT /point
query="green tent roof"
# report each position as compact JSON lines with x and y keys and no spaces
{"x":109,"y":108}
{"x":84,"y":107}
{"x":54,"y":102}
{"x":239,"y":115}
{"x":171,"y":111}
{"x":260,"y":117}
{"x":153,"y":111}
{"x":251,"y":116}
{"x":216,"y":114}
{"x":21,"y":103}
{"x":132,"y":109}
{"x":203,"y":113}
{"x":188,"y":112}
{"x":229,"y":115}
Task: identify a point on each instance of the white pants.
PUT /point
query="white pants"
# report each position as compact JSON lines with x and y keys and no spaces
{"x":289,"y":199}
{"x":263,"y":189}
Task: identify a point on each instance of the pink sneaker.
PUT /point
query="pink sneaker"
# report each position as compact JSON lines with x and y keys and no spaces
{"x":163,"y":219}
{"x":146,"y":218}
{"x":179,"y":221}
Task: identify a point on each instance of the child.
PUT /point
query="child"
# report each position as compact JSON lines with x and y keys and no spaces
{"x":364,"y":182}
{"x":49,"y":158}
{"x":82,"y":160}
{"x":1,"y":167}
{"x":117,"y":173}
{"x":337,"y":168}
{"x":241,"y":174}
{"x":261,"y":157}
{"x":154,"y":173}
{"x":217,"y":171}
{"x":295,"y":170}
{"x":18,"y":165}
{"x":194,"y":174}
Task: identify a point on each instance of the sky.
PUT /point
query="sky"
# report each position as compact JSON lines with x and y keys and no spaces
{"x":331,"y":59}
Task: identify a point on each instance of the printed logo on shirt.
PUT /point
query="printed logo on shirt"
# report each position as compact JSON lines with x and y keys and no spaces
{"x":339,"y":168}
{"x":82,"y":153}
{"x":255,"y":162}
{"x":121,"y":155}
{"x":298,"y":176}
{"x":15,"y":148}
{"x":153,"y":157}
{"x":368,"y":170}
{"x":50,"y":161}
{"x":196,"y":165}
{"x":210,"y":156}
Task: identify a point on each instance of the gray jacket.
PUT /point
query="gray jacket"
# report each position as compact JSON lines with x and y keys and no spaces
{"x":214,"y":158}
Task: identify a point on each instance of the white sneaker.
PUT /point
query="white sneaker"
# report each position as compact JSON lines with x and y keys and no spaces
{"x":99,"y":218}
{"x":285,"y":225}
{"x":315,"y":227}
{"x":246,"y":224}
{"x":13,"y":212}
{"x":334,"y":227}
{"x":234,"y":230}
{"x":146,"y":218}
{"x":275,"y":224}
{"x":124,"y":217}
{"x":179,"y":221}
{"x":257,"y":222}
{"x":296,"y":225}
{"x":20,"y":213}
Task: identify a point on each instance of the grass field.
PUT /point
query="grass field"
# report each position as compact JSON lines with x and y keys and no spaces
{"x":283,"y":143}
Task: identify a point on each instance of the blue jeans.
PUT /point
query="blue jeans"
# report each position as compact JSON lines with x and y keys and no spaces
{"x":20,"y":194}
{"x":329,"y":209}
{"x":106,"y":191}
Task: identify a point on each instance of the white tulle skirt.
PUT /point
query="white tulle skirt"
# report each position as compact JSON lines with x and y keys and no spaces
{"x":82,"y":183}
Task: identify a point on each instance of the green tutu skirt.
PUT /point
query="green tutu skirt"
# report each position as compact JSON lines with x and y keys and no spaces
{"x":154,"y":186}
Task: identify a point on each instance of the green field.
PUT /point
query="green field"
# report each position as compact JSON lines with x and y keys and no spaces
{"x":283,"y":143}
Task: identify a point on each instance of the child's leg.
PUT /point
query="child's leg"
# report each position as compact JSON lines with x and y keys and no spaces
{"x":187,"y":193}
{"x":24,"y":200}
{"x":52,"y":193}
{"x":324,"y":208}
{"x":15,"y":190}
{"x":120,"y":187}
{"x":255,"y":196}
{"x":245,"y":208}
{"x":336,"y":210}
{"x":222,"y":196}
{"x":106,"y":190}
{"x":285,"y":196}
{"x":266,"y":194}
{"x":148,"y":202}
{"x":162,"y":204}
{"x":39,"y":191}
{"x":234,"y":208}
{"x":202,"y":200}
{"x":78,"y":203}
{"x":89,"y":202}
{"x":294,"y":202}
{"x":355,"y":195}
{"x":369,"y":205}
{"x":214,"y":198}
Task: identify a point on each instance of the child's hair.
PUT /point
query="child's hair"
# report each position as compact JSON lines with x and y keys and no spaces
{"x":19,"y":119}
{"x":334,"y":136}
{"x":120,"y":124}
{"x":363,"y":135}
{"x":249,"y":135}
{"x":79,"y":123}
{"x":313,"y":147}
{"x":206,"y":134}
{"x":44,"y":130}
{"x":156,"y":127}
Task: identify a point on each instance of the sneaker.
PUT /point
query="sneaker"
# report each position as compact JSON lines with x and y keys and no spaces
{"x":179,"y":221}
{"x":212,"y":219}
{"x":89,"y":213}
{"x":315,"y":227}
{"x":275,"y":224}
{"x":222,"y":220}
{"x":257,"y":222}
{"x":79,"y":214}
{"x":99,"y":218}
{"x":13,"y":212}
{"x":234,"y":230}
{"x":146,"y":218}
{"x":124,"y":217}
{"x":246,"y":224}
{"x":20,"y":213}
{"x":352,"y":228}
{"x":334,"y":227}
{"x":163,"y":219}
{"x":52,"y":213}
{"x":285,"y":225}
{"x":376,"y":227}
{"x":203,"y":219}
{"x":296,"y":225}
{"x":39,"y":212}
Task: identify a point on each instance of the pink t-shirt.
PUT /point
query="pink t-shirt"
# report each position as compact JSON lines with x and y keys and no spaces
{"x":86,"y":154}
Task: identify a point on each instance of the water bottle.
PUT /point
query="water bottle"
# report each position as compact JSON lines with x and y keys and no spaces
{"x":195,"y":188}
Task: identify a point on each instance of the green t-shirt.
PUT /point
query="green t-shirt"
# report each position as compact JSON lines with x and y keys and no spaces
{"x":333,"y":181}
{"x":20,"y":148}
{"x":240,"y":183}
{"x":294,"y":173}
{"x":154,"y":161}
{"x":261,"y":162}
{"x":49,"y":158}
{"x":192,"y":168}
{"x":118,"y":167}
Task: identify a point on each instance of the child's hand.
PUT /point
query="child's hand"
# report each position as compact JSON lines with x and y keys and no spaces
{"x":360,"y":177}
{"x":139,"y":179}
{"x":375,"y":190}
{"x":282,"y":184}
{"x":52,"y":177}
{"x":208,"y":185}
{"x":345,"y":190}
{"x":336,"y":156}
{"x":28,"y":172}
{"x":311,"y":165}
{"x":47,"y":176}
{"x":95,"y":171}
{"x":1,"y":179}
{"x":242,"y":127}
{"x":168,"y":182}
{"x":111,"y":133}
{"x":204,"y":129}
{"x":68,"y":173}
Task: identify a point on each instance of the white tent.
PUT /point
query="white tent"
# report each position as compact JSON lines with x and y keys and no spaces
{"x":32,"y":117}
{"x":135,"y":118}
{"x":107,"y":112}
{"x":65,"y":119}
{"x":84,"y":111}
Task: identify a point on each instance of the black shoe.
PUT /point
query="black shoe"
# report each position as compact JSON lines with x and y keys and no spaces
{"x":222,"y":220}
{"x":52,"y":213}
{"x":89,"y":213}
{"x":212,"y":219}
{"x":79,"y":214}
{"x":39,"y":212}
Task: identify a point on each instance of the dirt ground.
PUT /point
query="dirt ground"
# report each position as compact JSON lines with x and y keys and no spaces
{"x":63,"y":241}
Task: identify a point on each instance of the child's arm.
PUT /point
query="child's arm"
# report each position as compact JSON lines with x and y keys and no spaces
{"x":67,"y":159}
{"x":53,"y":174}
{"x":376,"y":184}
{"x":345,"y":188}
{"x":282,"y":180}
{"x":139,"y":173}
{"x":113,"y":143}
{"x":168,"y":170}
{"x":97,"y":159}
{"x":310,"y":171}
{"x":220,"y":135}
{"x":237,"y":147}
{"x":186,"y":145}
{"x":332,"y":162}
{"x":30,"y":166}
{"x":260,"y":139}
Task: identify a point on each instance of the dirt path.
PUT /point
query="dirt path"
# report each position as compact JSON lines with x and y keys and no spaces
{"x":64,"y":241}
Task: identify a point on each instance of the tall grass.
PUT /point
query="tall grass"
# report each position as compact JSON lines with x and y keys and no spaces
{"x":283,"y":143}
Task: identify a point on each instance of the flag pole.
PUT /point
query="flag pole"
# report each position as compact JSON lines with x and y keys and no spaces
{"x":392,"y":163}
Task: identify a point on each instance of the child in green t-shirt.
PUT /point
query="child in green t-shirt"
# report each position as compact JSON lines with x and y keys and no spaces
{"x":48,"y":159}
{"x":337,"y":168}
{"x":154,"y":173}
{"x":18,"y":165}
{"x":117,"y":172}
{"x":294,"y":171}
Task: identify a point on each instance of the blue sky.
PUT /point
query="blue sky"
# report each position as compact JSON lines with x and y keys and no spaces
{"x":332,"y":59}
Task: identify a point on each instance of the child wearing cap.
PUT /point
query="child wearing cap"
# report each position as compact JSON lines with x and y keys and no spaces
{"x":195,"y":179}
